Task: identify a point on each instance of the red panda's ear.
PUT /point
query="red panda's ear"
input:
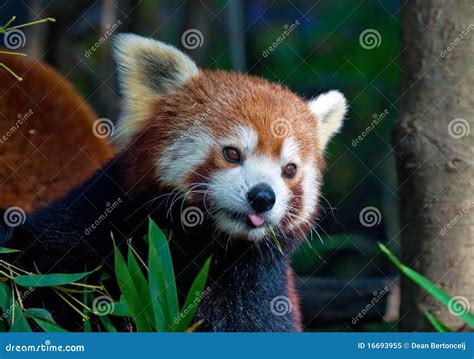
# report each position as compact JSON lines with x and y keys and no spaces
{"x":147,"y":70}
{"x":330,"y":109}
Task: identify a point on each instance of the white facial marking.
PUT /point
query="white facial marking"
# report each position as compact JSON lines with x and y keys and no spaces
{"x":181,"y":158}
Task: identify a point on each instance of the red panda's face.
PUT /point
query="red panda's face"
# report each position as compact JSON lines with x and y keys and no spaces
{"x":243,"y":150}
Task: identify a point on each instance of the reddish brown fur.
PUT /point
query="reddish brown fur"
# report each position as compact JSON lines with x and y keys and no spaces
{"x":54,"y":149}
{"x":295,"y":301}
{"x":237,"y":100}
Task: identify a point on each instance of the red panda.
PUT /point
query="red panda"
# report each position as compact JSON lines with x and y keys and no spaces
{"x":46,"y":141}
{"x":225,"y":160}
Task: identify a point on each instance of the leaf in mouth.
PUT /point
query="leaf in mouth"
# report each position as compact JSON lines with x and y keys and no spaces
{"x":275,"y":239}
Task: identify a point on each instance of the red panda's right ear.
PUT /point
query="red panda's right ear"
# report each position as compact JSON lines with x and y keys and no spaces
{"x":147,"y":70}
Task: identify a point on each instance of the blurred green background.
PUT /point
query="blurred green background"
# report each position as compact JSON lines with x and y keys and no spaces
{"x":322,"y":51}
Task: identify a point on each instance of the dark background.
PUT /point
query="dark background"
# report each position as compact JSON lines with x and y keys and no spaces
{"x":342,"y":271}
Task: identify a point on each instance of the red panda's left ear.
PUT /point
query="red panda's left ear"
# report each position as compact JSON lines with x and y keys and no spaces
{"x":330,"y":109}
{"x":147,"y":69}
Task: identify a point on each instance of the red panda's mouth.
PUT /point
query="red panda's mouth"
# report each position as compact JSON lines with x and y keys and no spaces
{"x":253,"y":220}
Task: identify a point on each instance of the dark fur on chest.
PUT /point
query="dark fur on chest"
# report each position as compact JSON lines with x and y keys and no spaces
{"x":74,"y":233}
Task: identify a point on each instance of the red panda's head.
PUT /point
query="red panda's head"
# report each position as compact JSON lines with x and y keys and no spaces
{"x":247,"y":152}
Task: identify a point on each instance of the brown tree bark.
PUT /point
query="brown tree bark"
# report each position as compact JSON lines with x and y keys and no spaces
{"x":434,"y":141}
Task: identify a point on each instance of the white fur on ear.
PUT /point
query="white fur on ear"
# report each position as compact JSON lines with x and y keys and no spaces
{"x":330,"y":109}
{"x":147,"y":69}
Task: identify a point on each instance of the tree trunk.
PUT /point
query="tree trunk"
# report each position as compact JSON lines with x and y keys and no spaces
{"x":435,"y":153}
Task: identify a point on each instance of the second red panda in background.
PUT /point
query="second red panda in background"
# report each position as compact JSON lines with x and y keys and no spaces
{"x":223,"y":159}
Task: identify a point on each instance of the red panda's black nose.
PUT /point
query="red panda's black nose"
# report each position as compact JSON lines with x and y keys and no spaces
{"x":261,"y":198}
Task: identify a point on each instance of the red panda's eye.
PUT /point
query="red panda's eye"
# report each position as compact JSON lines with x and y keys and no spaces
{"x":289,"y":171}
{"x":232,"y":154}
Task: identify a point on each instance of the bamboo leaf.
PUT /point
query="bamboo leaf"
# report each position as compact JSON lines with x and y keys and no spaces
{"x":129,"y":292}
{"x":435,"y":322}
{"x":439,"y":294}
{"x":4,"y":250}
{"x":48,"y":326}
{"x":193,"y":298}
{"x":49,"y":280}
{"x":141,"y":286}
{"x":161,"y":276}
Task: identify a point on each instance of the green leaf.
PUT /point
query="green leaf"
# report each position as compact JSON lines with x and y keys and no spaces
{"x":443,"y":297}
{"x":161,"y":276}
{"x":275,"y":239}
{"x":87,"y":323}
{"x":48,"y":326}
{"x":107,"y":323}
{"x":141,"y":286}
{"x":6,"y":301}
{"x":193,"y":299}
{"x":435,"y":322}
{"x":39,"y":313}
{"x":4,"y":250}
{"x":20,"y":324}
{"x":129,"y":292}
{"x":49,"y":280}
{"x":120,"y":309}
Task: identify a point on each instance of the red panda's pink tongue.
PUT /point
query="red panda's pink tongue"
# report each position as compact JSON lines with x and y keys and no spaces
{"x":257,"y":220}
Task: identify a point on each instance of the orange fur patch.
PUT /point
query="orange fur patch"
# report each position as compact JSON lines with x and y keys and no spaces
{"x":53,"y":149}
